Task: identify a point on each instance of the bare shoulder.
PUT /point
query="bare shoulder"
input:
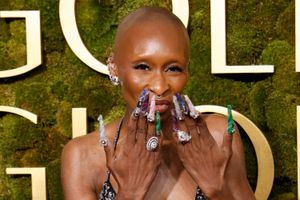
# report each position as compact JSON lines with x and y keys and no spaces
{"x":83,"y":168}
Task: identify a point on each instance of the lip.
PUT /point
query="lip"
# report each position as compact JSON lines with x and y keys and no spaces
{"x":162,"y":105}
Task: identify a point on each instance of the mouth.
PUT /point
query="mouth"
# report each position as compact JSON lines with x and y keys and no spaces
{"x":162,"y":106}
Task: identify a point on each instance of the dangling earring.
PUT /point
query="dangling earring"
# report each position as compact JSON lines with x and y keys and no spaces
{"x":112,"y":67}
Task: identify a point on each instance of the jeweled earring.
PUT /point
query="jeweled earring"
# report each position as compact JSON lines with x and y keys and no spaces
{"x":111,"y":68}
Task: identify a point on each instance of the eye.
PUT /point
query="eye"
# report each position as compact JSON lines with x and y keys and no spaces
{"x":142,"y":66}
{"x":174,"y":68}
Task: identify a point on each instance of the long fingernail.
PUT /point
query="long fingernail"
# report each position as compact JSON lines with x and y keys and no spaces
{"x":103,"y":138}
{"x":145,"y":105}
{"x":174,"y":121}
{"x":151,"y":114}
{"x":177,"y":108}
{"x":138,"y":108}
{"x":182,"y":104}
{"x":230,"y":128}
{"x":157,"y":124}
{"x":193,"y":112}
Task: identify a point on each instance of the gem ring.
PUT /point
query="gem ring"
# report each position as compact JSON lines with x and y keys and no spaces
{"x":152,"y":143}
{"x":183,"y":136}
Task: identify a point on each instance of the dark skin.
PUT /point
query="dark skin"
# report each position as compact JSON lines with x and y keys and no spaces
{"x":154,"y":55}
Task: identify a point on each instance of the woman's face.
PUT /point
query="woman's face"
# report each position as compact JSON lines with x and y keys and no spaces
{"x":152,"y":56}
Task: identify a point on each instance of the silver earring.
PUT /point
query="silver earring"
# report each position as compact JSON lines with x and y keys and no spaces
{"x":111,"y":66}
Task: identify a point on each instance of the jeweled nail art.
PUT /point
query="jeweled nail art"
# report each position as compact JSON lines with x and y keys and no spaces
{"x":182,"y":104}
{"x":145,"y":105}
{"x":230,"y":128}
{"x":157,"y":123}
{"x":151,"y":114}
{"x":103,"y":137}
{"x":138,"y":108}
{"x":193,"y":112}
{"x":177,"y":108}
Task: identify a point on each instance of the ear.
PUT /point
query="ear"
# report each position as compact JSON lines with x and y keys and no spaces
{"x":112,"y":68}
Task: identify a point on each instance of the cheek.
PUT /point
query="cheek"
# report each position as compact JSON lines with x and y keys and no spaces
{"x":178,"y":84}
{"x":132,"y":85}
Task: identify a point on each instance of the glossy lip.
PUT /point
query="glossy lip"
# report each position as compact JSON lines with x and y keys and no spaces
{"x":162,"y":105}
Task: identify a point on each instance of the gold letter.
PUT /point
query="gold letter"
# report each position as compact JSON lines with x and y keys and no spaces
{"x":218,"y":44}
{"x":33,"y":41}
{"x":38,"y":180}
{"x":24,"y":113}
{"x":297,"y":35}
{"x":181,"y":10}
{"x":79,"y":124}
{"x":262,"y":148}
{"x":298,"y":148}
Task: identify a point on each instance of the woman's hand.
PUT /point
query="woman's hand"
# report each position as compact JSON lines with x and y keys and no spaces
{"x":200,"y":154}
{"x":132,"y":165}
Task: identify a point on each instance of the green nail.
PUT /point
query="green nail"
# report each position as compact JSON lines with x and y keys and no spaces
{"x":230,"y":129}
{"x":157,"y":123}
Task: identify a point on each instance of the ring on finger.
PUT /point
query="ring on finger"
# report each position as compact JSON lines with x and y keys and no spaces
{"x":183,"y":136}
{"x":152,"y":143}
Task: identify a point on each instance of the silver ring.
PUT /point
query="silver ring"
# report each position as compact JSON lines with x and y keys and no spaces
{"x":152,"y":143}
{"x":183,"y":136}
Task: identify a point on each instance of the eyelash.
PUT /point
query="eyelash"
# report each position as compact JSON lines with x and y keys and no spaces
{"x":142,"y":67}
{"x":173,"y":68}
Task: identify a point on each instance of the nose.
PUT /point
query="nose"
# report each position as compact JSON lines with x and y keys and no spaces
{"x":159,"y":84}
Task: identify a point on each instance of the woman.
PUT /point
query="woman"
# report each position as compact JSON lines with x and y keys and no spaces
{"x":151,"y":56}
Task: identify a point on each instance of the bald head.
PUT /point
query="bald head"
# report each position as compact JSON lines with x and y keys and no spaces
{"x":149,"y":15}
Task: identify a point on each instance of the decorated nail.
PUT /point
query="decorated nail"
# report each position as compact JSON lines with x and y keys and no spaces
{"x":174,"y":121}
{"x":193,"y":112}
{"x":157,"y":123}
{"x":145,"y":105}
{"x":182,"y":104}
{"x":177,"y":109}
{"x":103,"y":138}
{"x":138,"y":108}
{"x":151,"y":114}
{"x":230,"y":128}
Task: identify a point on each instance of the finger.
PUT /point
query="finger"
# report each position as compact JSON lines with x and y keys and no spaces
{"x":104,"y":141}
{"x":192,"y":127}
{"x":153,"y":142}
{"x":141,"y":132}
{"x":131,"y":134}
{"x":227,"y":144}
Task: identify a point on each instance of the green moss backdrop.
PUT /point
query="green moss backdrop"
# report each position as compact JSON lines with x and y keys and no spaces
{"x":258,"y":32}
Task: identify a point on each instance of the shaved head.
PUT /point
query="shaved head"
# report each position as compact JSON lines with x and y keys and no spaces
{"x":145,"y":16}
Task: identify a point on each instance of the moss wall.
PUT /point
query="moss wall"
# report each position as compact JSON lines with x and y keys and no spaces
{"x":258,"y":32}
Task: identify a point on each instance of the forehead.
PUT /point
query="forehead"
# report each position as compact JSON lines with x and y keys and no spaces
{"x":164,"y":34}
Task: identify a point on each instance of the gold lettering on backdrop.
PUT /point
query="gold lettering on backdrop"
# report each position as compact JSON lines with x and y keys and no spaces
{"x":38,"y":175}
{"x":79,"y":122}
{"x":33,"y":41}
{"x":297,"y":35}
{"x":38,"y":180}
{"x":18,"y":111}
{"x":218,"y":44}
{"x":262,"y":149}
{"x":298,"y":147}
{"x":71,"y":33}
{"x":181,"y":10}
